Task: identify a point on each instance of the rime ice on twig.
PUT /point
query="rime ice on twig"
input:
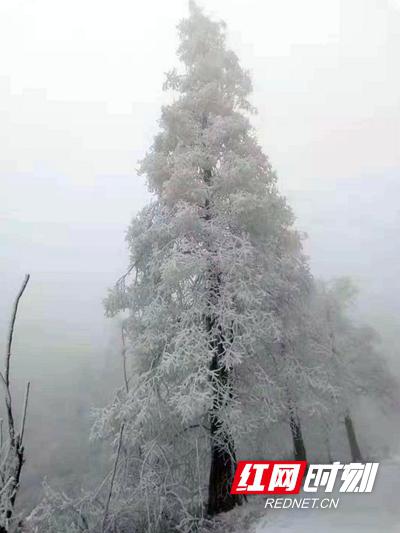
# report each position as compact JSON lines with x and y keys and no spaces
{"x":12,"y":449}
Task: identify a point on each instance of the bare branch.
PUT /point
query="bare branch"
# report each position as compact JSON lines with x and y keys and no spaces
{"x":11,"y":330}
{"x":113,"y":478}
{"x":6,"y":389}
{"x":11,"y":466}
{"x":123,"y":352}
{"x":26,"y":399}
{"x":121,"y":281}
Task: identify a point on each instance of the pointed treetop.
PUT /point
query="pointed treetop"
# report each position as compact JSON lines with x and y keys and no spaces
{"x":193,"y":7}
{"x":210,"y":68}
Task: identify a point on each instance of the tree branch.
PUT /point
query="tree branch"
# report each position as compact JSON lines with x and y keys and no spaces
{"x":26,"y":399}
{"x":113,"y":478}
{"x":11,"y":330}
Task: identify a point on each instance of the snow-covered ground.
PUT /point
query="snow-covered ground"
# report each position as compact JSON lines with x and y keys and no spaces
{"x":377,"y":512}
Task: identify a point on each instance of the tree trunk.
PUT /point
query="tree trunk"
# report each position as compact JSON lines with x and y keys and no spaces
{"x":222,"y":469}
{"x":297,"y":436}
{"x":221,"y":475}
{"x":299,"y":448}
{"x":223,"y":456}
{"x":327,"y":441}
{"x":353,"y":443}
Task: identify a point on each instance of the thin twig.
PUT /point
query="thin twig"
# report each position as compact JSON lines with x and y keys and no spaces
{"x":26,"y":399}
{"x":123,"y":352}
{"x":6,"y":389}
{"x":11,"y":331}
{"x":6,"y":377}
{"x":113,"y":478}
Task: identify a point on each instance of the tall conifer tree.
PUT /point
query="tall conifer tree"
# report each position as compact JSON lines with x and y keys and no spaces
{"x":207,"y":258}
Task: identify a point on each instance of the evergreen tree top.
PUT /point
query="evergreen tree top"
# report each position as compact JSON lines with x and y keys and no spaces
{"x":209,"y":66}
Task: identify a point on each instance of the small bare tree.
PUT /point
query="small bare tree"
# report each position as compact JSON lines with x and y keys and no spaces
{"x":11,"y":445}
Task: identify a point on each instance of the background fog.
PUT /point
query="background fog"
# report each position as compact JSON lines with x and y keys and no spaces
{"x":80,"y":95}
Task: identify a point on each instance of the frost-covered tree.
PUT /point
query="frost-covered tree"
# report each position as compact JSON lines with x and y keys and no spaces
{"x":301,"y":358}
{"x":334,"y":328}
{"x":356,"y":366}
{"x":215,"y":266}
{"x":205,"y":275}
{"x":290,"y":350}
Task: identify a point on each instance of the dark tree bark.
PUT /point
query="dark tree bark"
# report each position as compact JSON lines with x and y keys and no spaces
{"x":297,"y":436}
{"x":299,"y":449}
{"x":223,"y":456}
{"x":221,"y":476}
{"x":352,"y":438}
{"x":327,"y":441}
